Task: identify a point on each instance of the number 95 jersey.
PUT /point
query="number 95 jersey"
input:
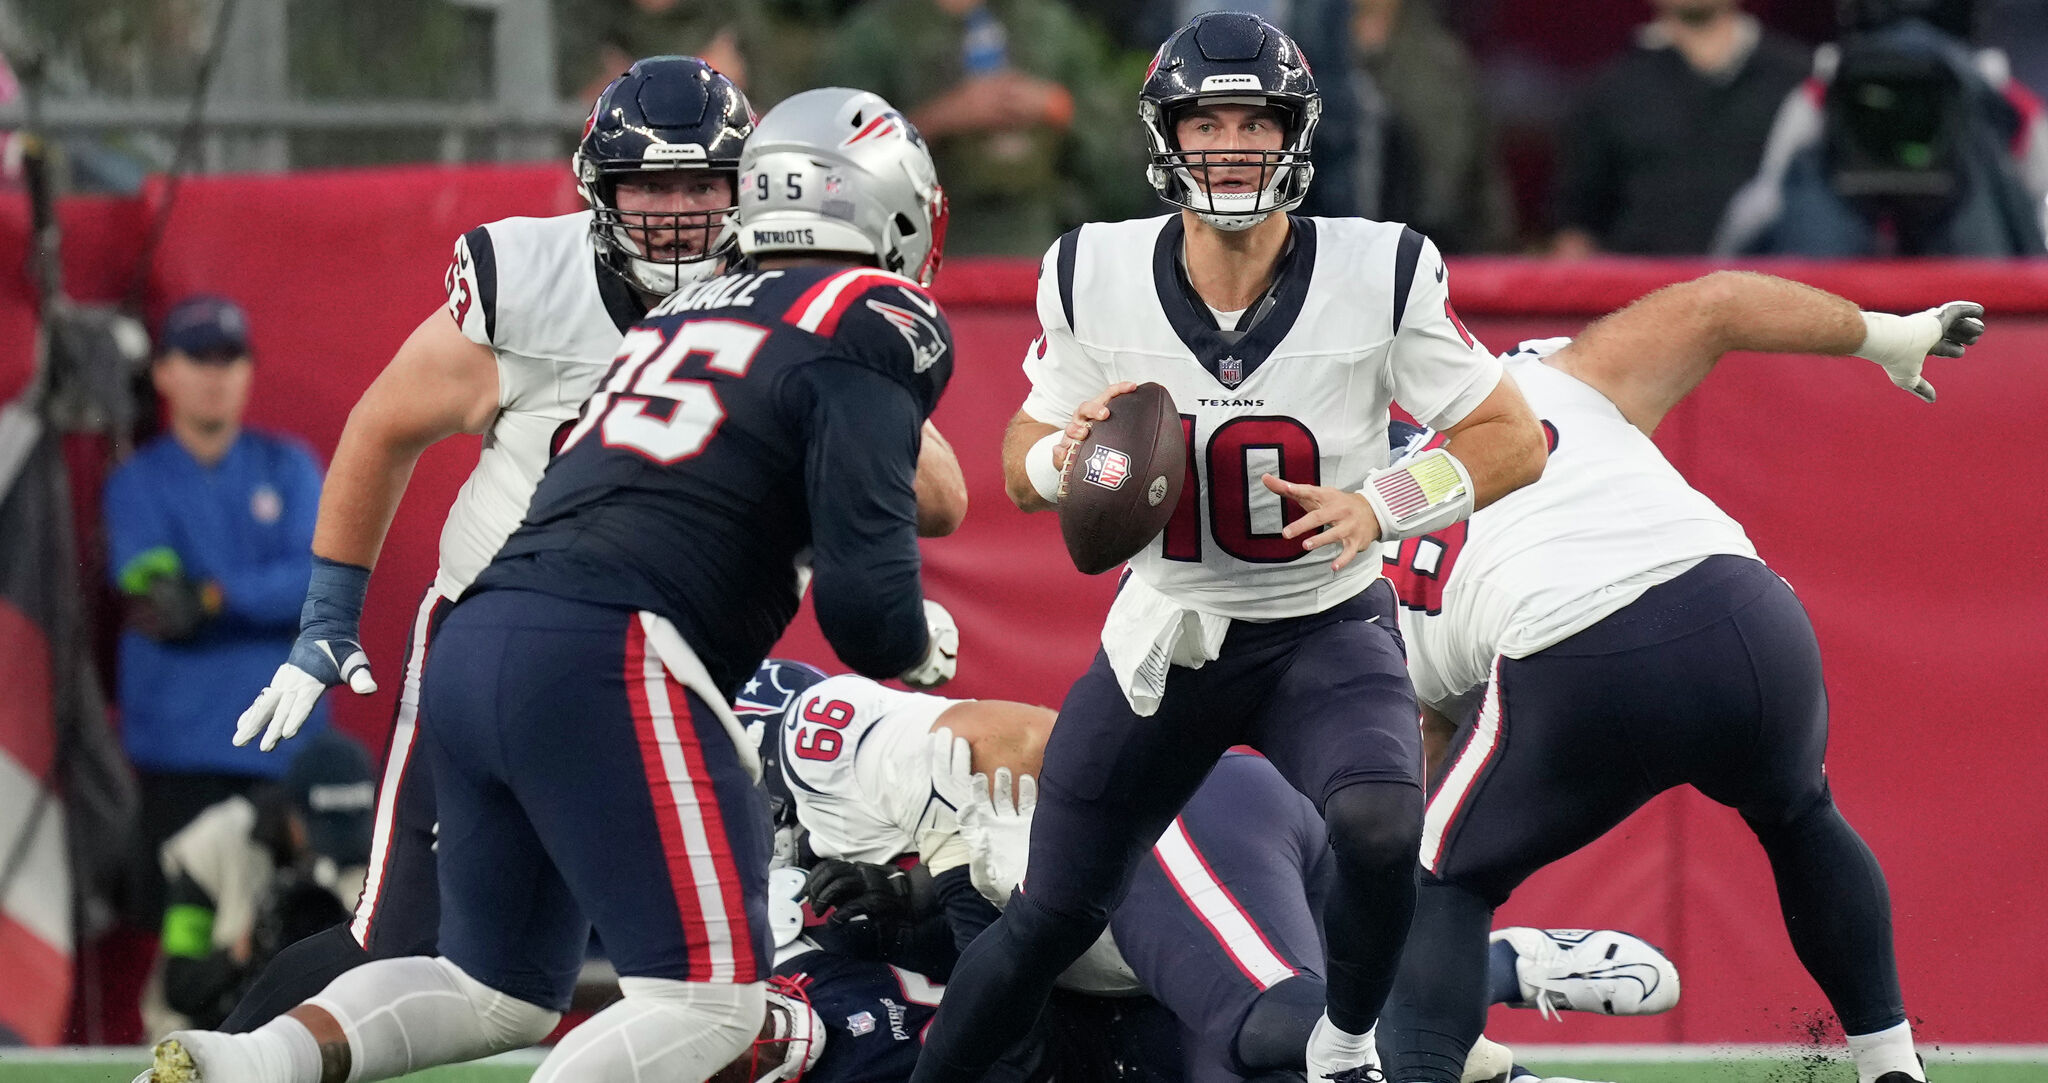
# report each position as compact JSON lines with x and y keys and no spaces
{"x":1358,"y":316}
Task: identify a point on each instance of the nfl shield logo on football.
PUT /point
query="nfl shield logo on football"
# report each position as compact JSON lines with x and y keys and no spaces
{"x":861,"y":1023}
{"x":1107,"y":467}
{"x":1230,"y":370}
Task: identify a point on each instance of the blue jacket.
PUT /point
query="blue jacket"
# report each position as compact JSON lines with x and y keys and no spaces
{"x":246,"y":523}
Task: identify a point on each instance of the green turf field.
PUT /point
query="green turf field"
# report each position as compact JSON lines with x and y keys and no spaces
{"x":120,"y":1066}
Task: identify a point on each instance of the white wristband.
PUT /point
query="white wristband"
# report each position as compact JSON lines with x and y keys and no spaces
{"x":1419,"y":494}
{"x":1046,"y":478}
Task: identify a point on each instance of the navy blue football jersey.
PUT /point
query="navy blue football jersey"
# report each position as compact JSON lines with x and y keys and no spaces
{"x":756,"y":432}
{"x":875,"y":1015}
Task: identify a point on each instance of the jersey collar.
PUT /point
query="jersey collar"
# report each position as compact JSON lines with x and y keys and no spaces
{"x":621,"y":301}
{"x":1231,"y":363}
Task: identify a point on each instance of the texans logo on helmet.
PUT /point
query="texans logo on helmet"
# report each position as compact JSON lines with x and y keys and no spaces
{"x":1106,"y":467}
{"x":926,"y":344}
{"x":773,"y":686}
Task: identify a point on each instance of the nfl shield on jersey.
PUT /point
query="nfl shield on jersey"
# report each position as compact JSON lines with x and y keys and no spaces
{"x":531,"y":290}
{"x":1609,"y":519}
{"x":1358,"y":316}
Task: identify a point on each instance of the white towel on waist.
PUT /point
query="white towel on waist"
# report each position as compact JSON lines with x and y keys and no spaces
{"x":1148,"y":632}
{"x":683,"y":664}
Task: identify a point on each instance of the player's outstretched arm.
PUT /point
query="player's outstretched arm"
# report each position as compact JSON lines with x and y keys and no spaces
{"x":941,"y":487}
{"x":1647,"y":357}
{"x":439,"y":383}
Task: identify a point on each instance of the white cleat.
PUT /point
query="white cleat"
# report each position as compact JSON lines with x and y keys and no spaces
{"x":1590,"y":970}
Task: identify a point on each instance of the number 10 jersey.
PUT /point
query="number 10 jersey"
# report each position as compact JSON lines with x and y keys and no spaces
{"x":1358,"y":316}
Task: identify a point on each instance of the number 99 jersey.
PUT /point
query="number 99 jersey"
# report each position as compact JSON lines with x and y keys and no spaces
{"x":1358,"y":315}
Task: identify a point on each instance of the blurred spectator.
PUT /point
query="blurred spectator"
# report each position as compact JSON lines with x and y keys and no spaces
{"x":1438,"y":168}
{"x":210,"y":533}
{"x":255,"y":873}
{"x":1666,"y":134}
{"x":1904,"y":142}
{"x":597,"y":39}
{"x":1029,"y":134}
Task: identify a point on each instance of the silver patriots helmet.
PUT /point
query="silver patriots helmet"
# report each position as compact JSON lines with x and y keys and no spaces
{"x":1230,"y":58}
{"x":841,"y":170}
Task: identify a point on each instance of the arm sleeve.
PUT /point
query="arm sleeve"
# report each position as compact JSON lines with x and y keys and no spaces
{"x":270,"y":594}
{"x":139,"y":536}
{"x":859,"y":463}
{"x":1063,"y":375}
{"x":1440,"y":371}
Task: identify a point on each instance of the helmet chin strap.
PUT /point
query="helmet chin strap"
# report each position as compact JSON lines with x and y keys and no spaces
{"x":1224,"y":220}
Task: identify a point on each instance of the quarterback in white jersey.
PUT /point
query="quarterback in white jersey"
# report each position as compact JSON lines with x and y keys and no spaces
{"x":1283,"y":342}
{"x":1629,"y":641}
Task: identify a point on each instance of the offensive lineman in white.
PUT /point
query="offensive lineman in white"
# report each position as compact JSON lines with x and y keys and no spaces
{"x":533,"y":319}
{"x":1282,"y":340}
{"x":1627,"y":640}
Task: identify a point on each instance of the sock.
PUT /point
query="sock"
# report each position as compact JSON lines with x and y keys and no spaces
{"x":1332,"y":1048}
{"x":1503,"y":984}
{"x":1888,"y":1050}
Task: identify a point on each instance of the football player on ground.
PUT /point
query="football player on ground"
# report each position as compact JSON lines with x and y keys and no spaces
{"x":1628,"y":641}
{"x":533,"y":319}
{"x":588,"y":769}
{"x":1220,"y":922}
{"x":1282,"y":341}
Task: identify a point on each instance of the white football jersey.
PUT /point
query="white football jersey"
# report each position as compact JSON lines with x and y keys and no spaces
{"x":1609,"y":519}
{"x":856,"y":757}
{"x":532,"y":291}
{"x":1358,"y":317}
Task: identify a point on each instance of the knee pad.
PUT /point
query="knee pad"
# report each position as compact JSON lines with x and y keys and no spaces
{"x":509,"y":1022}
{"x":663,"y":1031}
{"x":1375,"y":824}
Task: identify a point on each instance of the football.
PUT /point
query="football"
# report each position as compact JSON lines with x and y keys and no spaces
{"x":1124,"y":481}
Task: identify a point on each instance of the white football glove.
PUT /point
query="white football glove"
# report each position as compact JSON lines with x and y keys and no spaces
{"x":329,"y":651}
{"x":942,"y":654}
{"x":1902,"y":344}
{"x":994,"y":827}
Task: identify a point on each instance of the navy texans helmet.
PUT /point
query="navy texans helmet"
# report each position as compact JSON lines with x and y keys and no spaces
{"x":666,"y":113}
{"x":763,"y":705}
{"x":1230,"y":58}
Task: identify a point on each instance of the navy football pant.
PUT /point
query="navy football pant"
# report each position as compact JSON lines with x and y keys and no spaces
{"x":1326,"y":697}
{"x":399,"y":911}
{"x":580,"y":786}
{"x":1711,"y":680}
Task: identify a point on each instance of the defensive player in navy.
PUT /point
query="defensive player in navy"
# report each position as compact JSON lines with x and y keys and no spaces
{"x":1221,"y":921}
{"x":1628,"y":640}
{"x":589,"y":772}
{"x":533,"y":319}
{"x":1252,"y":619}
